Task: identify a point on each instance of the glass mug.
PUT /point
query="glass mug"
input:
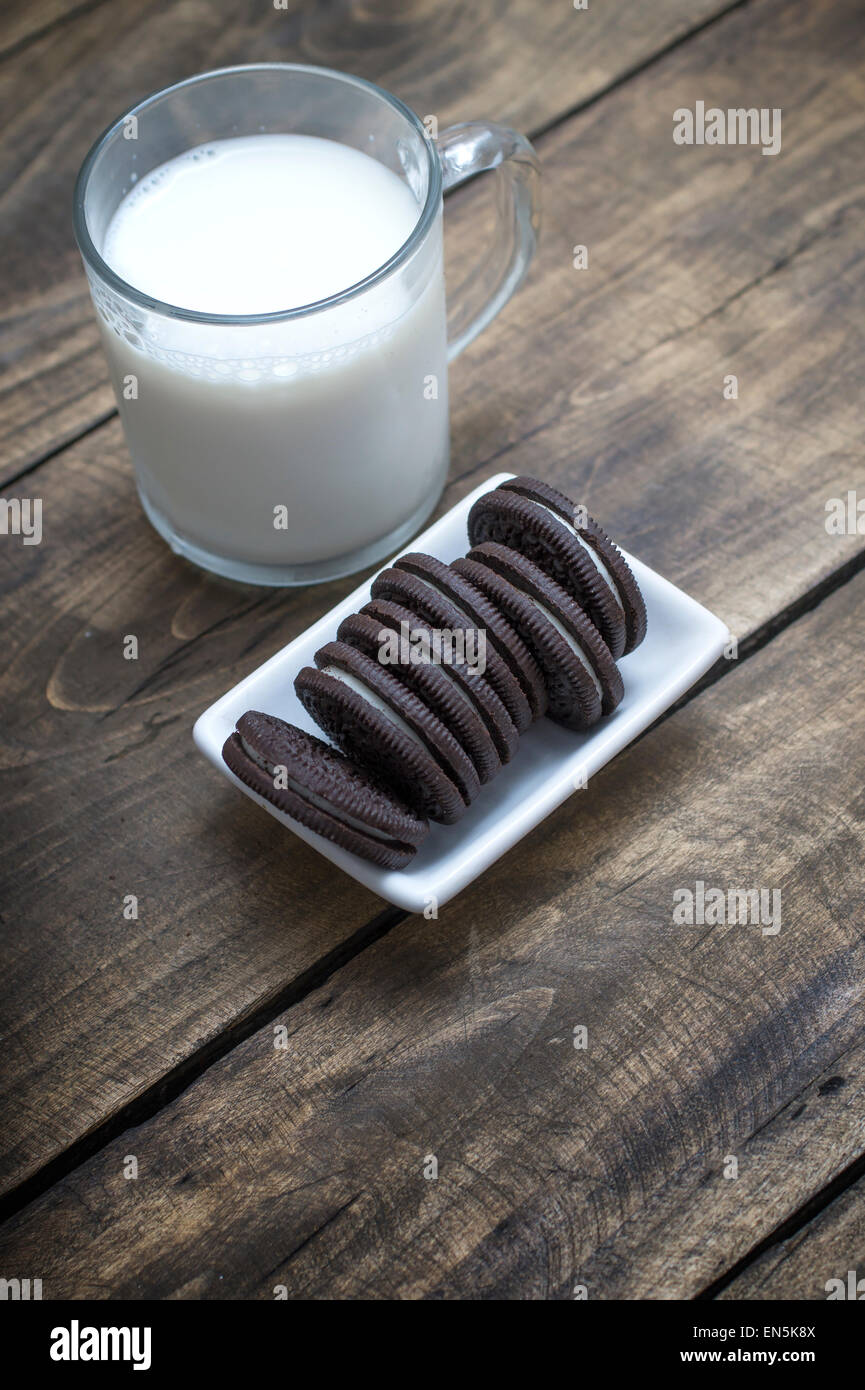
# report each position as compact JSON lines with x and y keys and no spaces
{"x":301,"y":444}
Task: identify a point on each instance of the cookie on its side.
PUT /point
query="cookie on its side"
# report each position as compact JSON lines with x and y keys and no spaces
{"x":583,"y":681}
{"x":379,"y":723}
{"x":318,"y":787}
{"x":385,"y":692}
{"x":541,"y":523}
{"x":477,"y":611}
{"x":426,"y":680}
{"x":470,"y":685}
{"x":407,"y":589}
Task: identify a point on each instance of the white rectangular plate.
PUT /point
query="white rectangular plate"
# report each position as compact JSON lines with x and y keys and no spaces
{"x":683,"y":641}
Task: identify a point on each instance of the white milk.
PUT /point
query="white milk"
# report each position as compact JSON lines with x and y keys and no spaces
{"x":334,"y":424}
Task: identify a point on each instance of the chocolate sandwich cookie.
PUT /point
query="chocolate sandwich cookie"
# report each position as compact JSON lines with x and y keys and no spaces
{"x":606,"y":554}
{"x":386,"y":692}
{"x":407,"y":589}
{"x":542,"y":524}
{"x":475,"y":688}
{"x":476,"y":609}
{"x":583,"y":681}
{"x":379,"y":723}
{"x":378,"y":637}
{"x":321,"y":789}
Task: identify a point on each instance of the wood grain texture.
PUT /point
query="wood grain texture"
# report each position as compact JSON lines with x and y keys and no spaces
{"x":303,"y":1165}
{"x":609,"y":385}
{"x":702,"y":263}
{"x":825,"y":1250}
{"x":24,"y":21}
{"x":516,"y":61}
{"x":105,"y":796}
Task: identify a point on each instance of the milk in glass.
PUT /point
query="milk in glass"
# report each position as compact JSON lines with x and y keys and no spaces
{"x":282,"y":441}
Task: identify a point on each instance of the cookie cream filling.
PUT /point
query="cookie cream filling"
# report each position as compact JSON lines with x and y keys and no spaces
{"x":471,"y":674}
{"x":313,"y":798}
{"x":440,"y":593}
{"x":570,"y":639}
{"x":560,"y":628}
{"x":455,"y":685}
{"x":469,"y":623}
{"x":362,"y":689}
{"x":592,"y":552}
{"x":461,"y":691}
{"x":470,"y":669}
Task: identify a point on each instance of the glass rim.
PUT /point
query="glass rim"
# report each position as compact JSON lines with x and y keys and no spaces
{"x":94,"y":260}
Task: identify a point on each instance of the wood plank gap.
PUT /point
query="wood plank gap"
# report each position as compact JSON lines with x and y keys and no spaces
{"x":50,"y":454}
{"x":181,"y":1077}
{"x":535,"y":133}
{"x":791,"y":1227}
{"x":21,"y":45}
{"x":768,"y":631}
{"x":636,"y":71}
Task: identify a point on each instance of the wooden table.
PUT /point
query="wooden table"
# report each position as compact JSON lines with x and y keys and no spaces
{"x":709,"y":1141}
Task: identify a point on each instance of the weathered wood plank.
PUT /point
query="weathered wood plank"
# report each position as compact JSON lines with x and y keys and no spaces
{"x":303,"y":1165}
{"x":511,"y":60}
{"x":22,"y":21}
{"x":793,"y":1150}
{"x":702,"y":263}
{"x":625,"y":406}
{"x":816,"y":1263}
{"x":104,"y":796}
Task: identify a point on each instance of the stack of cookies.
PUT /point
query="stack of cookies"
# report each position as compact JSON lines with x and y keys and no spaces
{"x":427,"y":689}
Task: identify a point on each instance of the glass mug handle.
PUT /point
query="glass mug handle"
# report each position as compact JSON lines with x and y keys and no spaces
{"x":472,"y":148}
